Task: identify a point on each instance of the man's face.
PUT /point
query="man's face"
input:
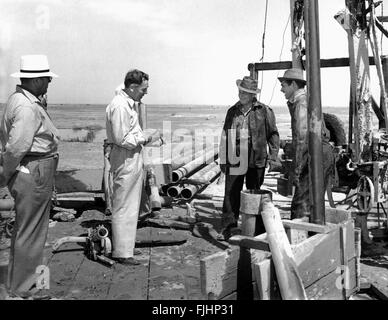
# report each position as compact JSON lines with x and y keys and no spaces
{"x":139,"y":91}
{"x":43,"y":84}
{"x":288,"y":89}
{"x":245,"y":97}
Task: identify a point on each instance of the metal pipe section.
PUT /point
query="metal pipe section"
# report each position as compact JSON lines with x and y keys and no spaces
{"x":314,"y":111}
{"x":180,"y":160}
{"x":190,"y":190}
{"x":102,"y":232}
{"x":155,"y":202}
{"x":384,"y":63}
{"x":193,"y":165}
{"x":174,"y":191}
{"x":202,"y":176}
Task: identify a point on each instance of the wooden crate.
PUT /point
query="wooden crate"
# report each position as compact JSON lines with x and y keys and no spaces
{"x":327,"y":261}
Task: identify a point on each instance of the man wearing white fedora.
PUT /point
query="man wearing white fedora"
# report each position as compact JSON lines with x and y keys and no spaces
{"x":29,"y":160}
{"x":293,"y":86}
{"x":249,"y":143}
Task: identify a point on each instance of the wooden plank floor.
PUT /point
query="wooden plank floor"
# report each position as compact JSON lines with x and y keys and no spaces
{"x":167,"y":272}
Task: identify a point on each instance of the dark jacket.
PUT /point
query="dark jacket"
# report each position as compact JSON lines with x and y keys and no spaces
{"x":262,"y":132}
{"x":299,"y":126}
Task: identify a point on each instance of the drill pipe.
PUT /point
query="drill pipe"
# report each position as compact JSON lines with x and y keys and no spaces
{"x":204,"y":175}
{"x":193,"y":165}
{"x":155,"y":202}
{"x":174,"y":191}
{"x":180,"y":160}
{"x":190,"y":190}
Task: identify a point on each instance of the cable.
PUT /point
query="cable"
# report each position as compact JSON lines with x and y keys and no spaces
{"x":382,"y":35}
{"x":280,"y":58}
{"x":263,"y":45}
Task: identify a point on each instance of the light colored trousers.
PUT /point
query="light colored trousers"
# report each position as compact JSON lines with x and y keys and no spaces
{"x":127,"y":172}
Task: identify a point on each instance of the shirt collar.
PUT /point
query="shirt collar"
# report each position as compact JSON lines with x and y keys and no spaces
{"x":28,"y":94}
{"x":297,"y":94}
{"x":255,"y":104}
{"x":127,"y":97}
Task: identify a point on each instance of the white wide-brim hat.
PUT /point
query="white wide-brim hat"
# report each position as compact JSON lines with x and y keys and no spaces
{"x":34,"y":66}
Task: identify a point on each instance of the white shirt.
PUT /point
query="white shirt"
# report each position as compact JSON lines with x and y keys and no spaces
{"x":122,"y":123}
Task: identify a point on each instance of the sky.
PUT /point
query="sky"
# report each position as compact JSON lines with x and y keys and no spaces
{"x":193,"y":50}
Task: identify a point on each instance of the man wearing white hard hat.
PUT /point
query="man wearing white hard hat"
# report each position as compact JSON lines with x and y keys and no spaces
{"x":29,"y":160}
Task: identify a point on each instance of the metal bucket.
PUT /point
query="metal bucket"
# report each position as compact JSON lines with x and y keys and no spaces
{"x":250,"y":208}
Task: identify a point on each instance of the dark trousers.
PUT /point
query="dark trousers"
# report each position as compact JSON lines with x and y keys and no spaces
{"x":32,"y":194}
{"x":300,"y":204}
{"x":233,"y":186}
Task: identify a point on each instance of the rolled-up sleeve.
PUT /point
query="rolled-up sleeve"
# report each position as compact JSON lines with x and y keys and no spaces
{"x":26,"y":123}
{"x":126,"y":131}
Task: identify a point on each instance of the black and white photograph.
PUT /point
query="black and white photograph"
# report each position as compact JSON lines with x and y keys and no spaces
{"x":193,"y":154}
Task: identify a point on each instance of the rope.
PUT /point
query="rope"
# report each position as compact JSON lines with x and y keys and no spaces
{"x":382,"y":36}
{"x":263,"y":45}
{"x":280,"y":58}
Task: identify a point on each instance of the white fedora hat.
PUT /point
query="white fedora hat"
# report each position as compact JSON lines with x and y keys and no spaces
{"x":34,"y":66}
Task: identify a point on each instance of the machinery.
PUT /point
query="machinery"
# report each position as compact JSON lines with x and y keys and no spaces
{"x":98,"y":244}
{"x":361,"y":163}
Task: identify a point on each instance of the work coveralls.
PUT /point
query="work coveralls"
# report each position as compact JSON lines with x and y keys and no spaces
{"x":29,"y":159}
{"x":255,"y":130}
{"x":126,"y":161}
{"x":297,"y":105}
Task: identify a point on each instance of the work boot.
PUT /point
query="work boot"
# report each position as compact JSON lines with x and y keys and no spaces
{"x":228,"y":223}
{"x":127,"y":261}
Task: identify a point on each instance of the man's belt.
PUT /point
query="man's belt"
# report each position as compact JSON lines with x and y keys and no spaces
{"x":29,"y":158}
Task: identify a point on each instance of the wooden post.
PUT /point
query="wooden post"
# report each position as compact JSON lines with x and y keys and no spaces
{"x":357,"y":244}
{"x":290,"y":282}
{"x":377,"y":53}
{"x":361,"y":103}
{"x":250,"y":207}
{"x":106,"y":178}
{"x":296,"y":58}
{"x":314,"y":112}
{"x":142,"y":111}
{"x":384,"y":63}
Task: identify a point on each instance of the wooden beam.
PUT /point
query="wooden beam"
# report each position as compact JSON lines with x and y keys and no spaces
{"x":283,"y":65}
{"x":306,"y":226}
{"x":257,"y":243}
{"x":381,"y":27}
{"x":383,"y":18}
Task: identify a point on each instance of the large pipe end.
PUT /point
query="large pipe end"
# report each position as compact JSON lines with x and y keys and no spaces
{"x":102,"y":232}
{"x":176,"y":176}
{"x":186,"y":194}
{"x":173,"y":192}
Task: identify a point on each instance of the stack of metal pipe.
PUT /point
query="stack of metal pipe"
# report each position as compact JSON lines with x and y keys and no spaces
{"x":189,"y":177}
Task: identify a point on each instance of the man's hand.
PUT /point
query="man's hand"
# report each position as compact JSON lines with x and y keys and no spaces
{"x":152,"y":136}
